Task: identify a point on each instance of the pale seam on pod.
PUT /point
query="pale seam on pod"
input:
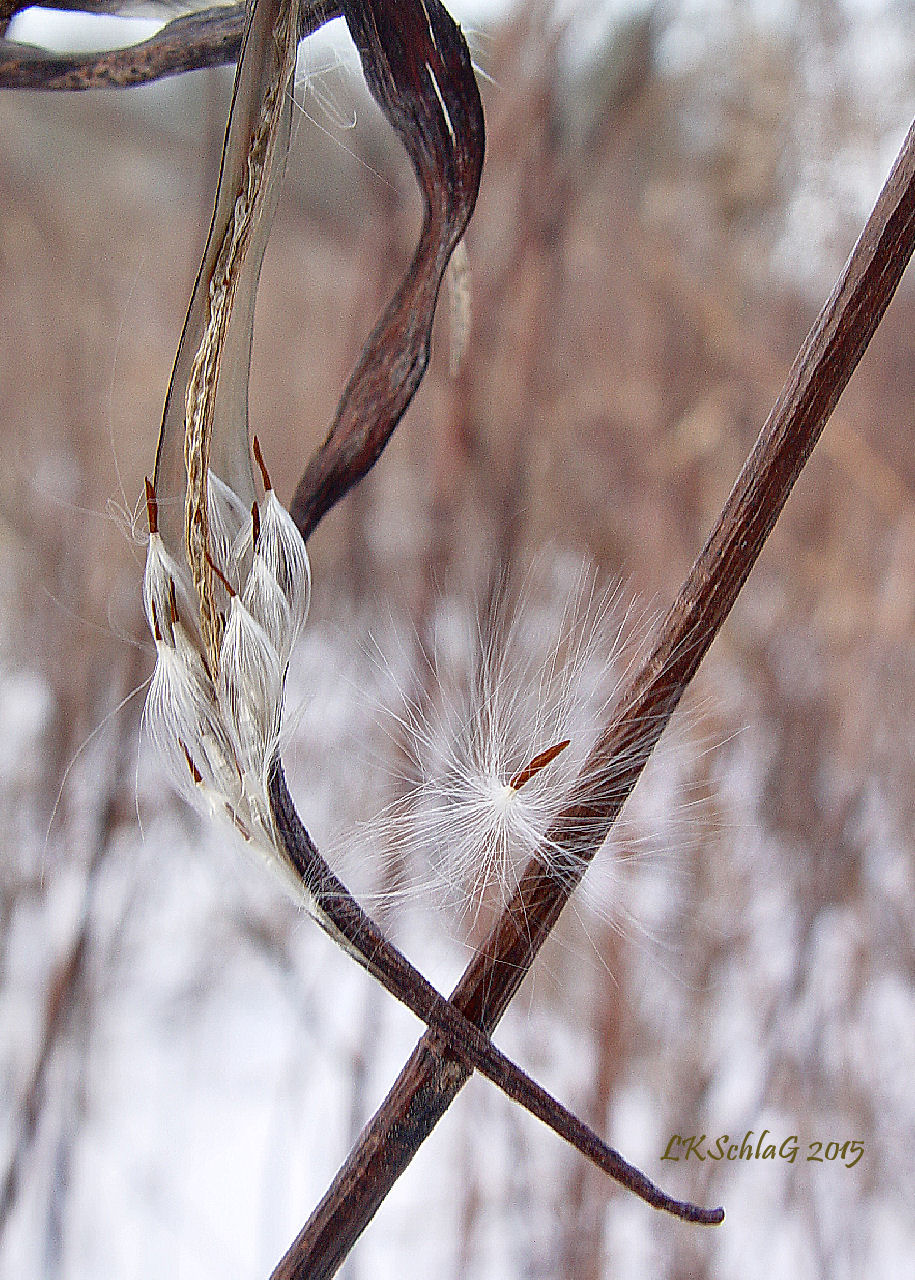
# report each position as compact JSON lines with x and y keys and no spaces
{"x":200,"y":400}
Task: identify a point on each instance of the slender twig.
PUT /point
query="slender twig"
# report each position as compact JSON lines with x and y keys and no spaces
{"x":193,"y":41}
{"x":428,"y":1084}
{"x":189,"y":43}
{"x":340,"y":915}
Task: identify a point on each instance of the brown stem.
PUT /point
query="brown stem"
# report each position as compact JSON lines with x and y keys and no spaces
{"x":341,"y":916}
{"x":188,"y":43}
{"x":427,"y":1084}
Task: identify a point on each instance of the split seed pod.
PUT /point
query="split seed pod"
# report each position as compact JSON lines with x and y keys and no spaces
{"x":226,"y":587}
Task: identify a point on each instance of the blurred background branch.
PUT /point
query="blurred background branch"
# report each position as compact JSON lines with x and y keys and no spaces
{"x":187,"y":43}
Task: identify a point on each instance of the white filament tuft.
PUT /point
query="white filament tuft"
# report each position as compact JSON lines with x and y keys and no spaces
{"x":184,"y":723}
{"x":230,"y":531}
{"x":162,"y":577}
{"x":494,"y":744}
{"x":282,"y":550}
{"x":249,"y":690}
{"x":218,"y":731}
{"x":264,"y":601}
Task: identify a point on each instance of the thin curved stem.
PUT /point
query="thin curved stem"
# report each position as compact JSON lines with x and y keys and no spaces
{"x":338,"y":912}
{"x":191,"y":42}
{"x":417,"y":66}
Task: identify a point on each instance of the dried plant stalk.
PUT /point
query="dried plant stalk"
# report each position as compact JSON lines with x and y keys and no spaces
{"x":428,"y":1084}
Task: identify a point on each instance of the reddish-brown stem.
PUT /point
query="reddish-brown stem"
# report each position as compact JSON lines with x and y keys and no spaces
{"x":464,"y":1044}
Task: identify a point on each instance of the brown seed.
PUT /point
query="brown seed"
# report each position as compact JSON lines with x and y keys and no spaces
{"x":195,"y":772}
{"x":220,"y":575}
{"x":255,"y":524}
{"x":152,"y":507}
{"x":259,"y":459}
{"x":539,"y":762}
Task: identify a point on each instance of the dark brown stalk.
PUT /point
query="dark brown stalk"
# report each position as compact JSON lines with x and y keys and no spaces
{"x":428,"y":1083}
{"x":418,"y":68}
{"x":188,"y":43}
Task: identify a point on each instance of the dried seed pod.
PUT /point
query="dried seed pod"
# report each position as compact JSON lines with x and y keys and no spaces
{"x":217,"y":725}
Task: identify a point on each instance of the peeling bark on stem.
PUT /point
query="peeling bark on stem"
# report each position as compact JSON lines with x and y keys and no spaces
{"x":195,"y":40}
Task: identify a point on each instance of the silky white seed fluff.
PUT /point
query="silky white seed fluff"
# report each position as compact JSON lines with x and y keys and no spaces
{"x":283,"y":551}
{"x":185,"y":725}
{"x":249,"y":689}
{"x":218,"y":732}
{"x":267,"y":604}
{"x":498,"y":693}
{"x":230,"y":531}
{"x":161,"y":574}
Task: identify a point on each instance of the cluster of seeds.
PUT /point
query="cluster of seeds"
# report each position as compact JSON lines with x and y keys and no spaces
{"x":215,"y":715}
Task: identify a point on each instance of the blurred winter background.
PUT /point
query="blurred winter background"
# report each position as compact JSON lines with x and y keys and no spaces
{"x":184,"y":1060}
